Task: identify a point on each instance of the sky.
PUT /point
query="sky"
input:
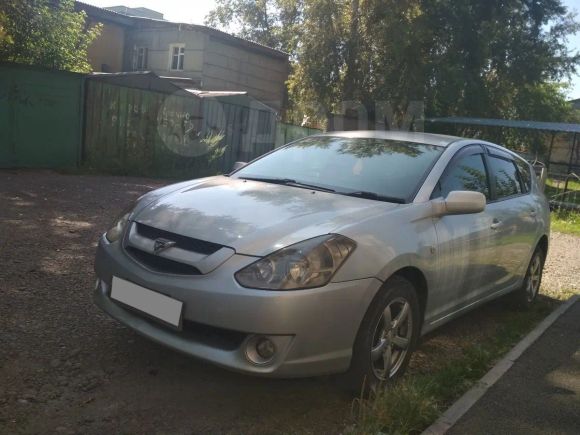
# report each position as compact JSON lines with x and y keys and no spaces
{"x":195,"y":11}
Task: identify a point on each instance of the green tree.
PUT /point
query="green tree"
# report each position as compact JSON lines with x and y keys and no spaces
{"x":480,"y":58}
{"x":48,"y":33}
{"x":275,"y":23}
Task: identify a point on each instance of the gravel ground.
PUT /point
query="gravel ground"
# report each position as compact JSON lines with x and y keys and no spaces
{"x":562,"y":269}
{"x":65,"y":367}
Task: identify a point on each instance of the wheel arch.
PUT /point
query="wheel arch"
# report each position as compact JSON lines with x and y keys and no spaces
{"x":417,"y":278}
{"x":358,"y":370}
{"x":543,"y":245}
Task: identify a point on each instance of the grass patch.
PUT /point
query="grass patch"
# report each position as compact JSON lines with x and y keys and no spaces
{"x":412,"y":404}
{"x":561,"y":295}
{"x":554,"y":187}
{"x":566,"y":222}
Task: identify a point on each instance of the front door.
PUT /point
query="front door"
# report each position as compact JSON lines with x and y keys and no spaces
{"x":466,"y":253}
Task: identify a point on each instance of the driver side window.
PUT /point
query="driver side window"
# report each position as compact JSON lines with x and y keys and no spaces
{"x":466,"y":173}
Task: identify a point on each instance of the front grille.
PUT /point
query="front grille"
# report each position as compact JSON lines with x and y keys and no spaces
{"x":212,"y":336}
{"x":183,"y":242}
{"x":160,"y":264}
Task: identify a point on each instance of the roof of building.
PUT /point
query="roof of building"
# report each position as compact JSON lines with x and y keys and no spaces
{"x":136,"y":12}
{"x":104,"y":14}
{"x":149,"y":81}
{"x":212,"y":94}
{"x":133,"y":21}
{"x":528,"y":125}
{"x":575,"y":103}
{"x":146,"y":80}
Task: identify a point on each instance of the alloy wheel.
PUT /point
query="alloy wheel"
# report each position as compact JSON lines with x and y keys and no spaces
{"x":534,"y":277}
{"x":392,"y":338}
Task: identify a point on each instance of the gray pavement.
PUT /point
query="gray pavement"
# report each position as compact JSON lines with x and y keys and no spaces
{"x":540,"y":393}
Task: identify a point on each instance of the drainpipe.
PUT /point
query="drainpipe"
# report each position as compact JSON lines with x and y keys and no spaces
{"x":82,"y":122}
{"x":550,"y":151}
{"x":570,"y":161}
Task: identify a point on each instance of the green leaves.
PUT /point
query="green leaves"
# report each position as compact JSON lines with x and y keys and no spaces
{"x":45,"y":33}
{"x":480,"y":58}
{"x":274,"y":23}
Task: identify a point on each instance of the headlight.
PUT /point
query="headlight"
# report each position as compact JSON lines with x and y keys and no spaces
{"x":116,"y":231}
{"x":304,"y":265}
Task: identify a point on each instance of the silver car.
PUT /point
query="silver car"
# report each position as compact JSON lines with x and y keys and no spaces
{"x":334,"y":253}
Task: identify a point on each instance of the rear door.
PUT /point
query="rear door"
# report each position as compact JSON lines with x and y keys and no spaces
{"x":513,"y":215}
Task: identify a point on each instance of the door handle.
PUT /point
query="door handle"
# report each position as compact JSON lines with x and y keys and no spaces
{"x":533,"y":213}
{"x":495,"y":224}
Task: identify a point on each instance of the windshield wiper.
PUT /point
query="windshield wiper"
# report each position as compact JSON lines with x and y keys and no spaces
{"x":288,"y":182}
{"x":269,"y":180}
{"x":372,"y":195}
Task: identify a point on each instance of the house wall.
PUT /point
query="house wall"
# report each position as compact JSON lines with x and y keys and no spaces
{"x":218,"y":65}
{"x":158,"y":41}
{"x":231,"y":67}
{"x":565,"y":154}
{"x":107,"y":49}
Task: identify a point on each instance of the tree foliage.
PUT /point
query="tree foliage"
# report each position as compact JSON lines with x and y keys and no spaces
{"x":275,"y":23}
{"x":481,"y":58}
{"x":48,"y":33}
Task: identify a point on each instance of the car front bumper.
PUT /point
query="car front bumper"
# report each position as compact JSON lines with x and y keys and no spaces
{"x":313,"y":330}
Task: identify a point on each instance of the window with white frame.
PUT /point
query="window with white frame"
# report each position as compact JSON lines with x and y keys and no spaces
{"x":176,"y":57}
{"x":141,"y":58}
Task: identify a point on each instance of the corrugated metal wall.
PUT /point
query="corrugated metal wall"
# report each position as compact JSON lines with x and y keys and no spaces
{"x":40,"y":117}
{"x":286,"y":133}
{"x":249,"y":131}
{"x":128,"y":130}
{"x":136,"y":131}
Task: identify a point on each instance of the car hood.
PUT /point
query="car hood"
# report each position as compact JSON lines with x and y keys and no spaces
{"x":253,"y":217}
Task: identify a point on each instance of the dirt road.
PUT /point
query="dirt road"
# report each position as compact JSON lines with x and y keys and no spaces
{"x":65,"y":367}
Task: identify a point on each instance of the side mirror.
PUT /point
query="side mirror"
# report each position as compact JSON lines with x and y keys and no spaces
{"x":460,"y":202}
{"x":464,"y":202}
{"x":238,"y":165}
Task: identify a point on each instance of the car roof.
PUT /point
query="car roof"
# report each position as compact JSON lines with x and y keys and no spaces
{"x":406,"y":136}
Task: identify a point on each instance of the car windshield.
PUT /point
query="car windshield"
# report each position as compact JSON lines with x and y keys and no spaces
{"x":366,"y":167}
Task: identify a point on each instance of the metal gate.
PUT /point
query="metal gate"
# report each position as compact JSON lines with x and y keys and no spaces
{"x":40,"y":117}
{"x":157,"y":129}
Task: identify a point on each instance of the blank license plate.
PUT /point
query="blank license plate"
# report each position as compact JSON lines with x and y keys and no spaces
{"x":155,"y":304}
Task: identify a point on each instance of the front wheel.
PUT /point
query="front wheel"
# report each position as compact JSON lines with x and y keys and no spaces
{"x":387,"y":336}
{"x":529,"y":290}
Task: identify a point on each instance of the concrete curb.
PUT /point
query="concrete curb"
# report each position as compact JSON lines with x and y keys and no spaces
{"x":461,"y":406}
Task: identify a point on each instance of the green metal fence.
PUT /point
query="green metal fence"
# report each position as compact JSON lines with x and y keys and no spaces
{"x":126,"y":131}
{"x":40,"y":117}
{"x":137,"y":124}
{"x":133,"y":125}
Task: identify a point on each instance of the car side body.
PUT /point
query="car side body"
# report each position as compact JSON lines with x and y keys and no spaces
{"x":455,"y":262}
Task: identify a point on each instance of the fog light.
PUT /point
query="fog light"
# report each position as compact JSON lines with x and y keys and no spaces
{"x":265,"y":348}
{"x":260,"y":350}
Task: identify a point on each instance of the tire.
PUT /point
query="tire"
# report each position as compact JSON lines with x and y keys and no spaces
{"x":525,"y":296}
{"x":374,"y":344}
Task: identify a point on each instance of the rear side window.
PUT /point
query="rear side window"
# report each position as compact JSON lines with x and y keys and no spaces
{"x":466,"y":173}
{"x":504,"y":177}
{"x":525,"y":175}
